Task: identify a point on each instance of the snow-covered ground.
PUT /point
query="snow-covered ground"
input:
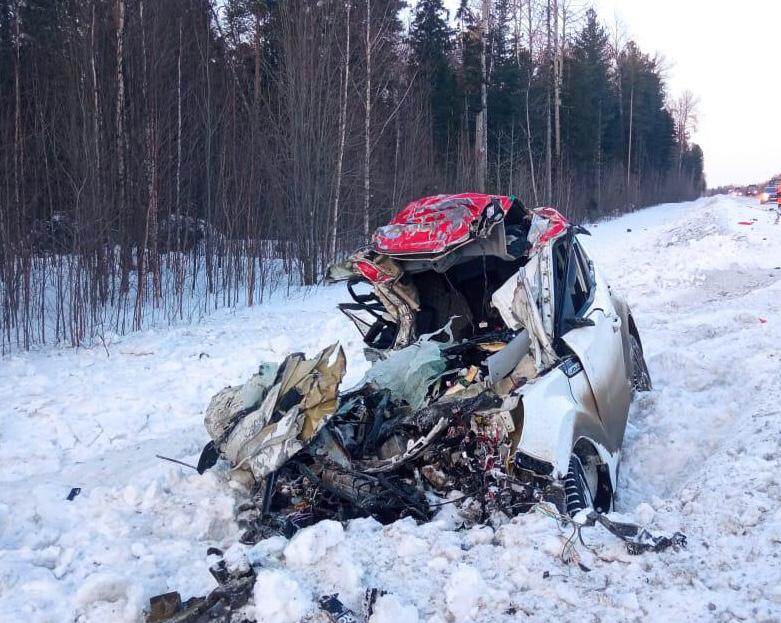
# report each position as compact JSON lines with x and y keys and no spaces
{"x":701,"y":456}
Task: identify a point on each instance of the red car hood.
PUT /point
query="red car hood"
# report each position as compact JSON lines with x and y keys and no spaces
{"x":434,"y":224}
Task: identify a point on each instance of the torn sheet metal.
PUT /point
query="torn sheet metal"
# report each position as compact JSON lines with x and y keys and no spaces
{"x":524,"y":302}
{"x":547,"y":225}
{"x":232,"y":403}
{"x":258,"y":428}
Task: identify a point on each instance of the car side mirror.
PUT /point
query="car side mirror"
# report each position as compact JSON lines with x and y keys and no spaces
{"x":578,"y":323}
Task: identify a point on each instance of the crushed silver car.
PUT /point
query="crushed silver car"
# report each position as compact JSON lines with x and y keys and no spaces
{"x":504,"y":366}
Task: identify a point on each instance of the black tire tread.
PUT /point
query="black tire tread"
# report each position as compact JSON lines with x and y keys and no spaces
{"x":641,"y":378}
{"x":574,"y":484}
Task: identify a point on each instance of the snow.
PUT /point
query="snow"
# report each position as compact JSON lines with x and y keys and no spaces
{"x":312,"y":544}
{"x":700,"y":456}
{"x":389,"y":609}
{"x":279,"y":598}
{"x":463,"y":592}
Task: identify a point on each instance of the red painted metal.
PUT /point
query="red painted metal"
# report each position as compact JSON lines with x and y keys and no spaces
{"x":434,"y":224}
{"x":372,"y":272}
{"x":557,"y":224}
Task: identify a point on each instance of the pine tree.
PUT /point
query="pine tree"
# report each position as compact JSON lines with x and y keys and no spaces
{"x":431,"y":40}
{"x":591,"y":108}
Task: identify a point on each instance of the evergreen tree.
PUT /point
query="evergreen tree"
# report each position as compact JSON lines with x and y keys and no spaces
{"x":693,"y":169}
{"x":590,"y":106}
{"x":644,"y":107}
{"x":431,"y":40}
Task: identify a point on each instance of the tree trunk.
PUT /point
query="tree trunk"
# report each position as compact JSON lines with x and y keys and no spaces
{"x":95,"y":100}
{"x":367,"y":123}
{"x":548,"y":129}
{"x":148,"y":256}
{"x":342,"y":137}
{"x":121,"y":146}
{"x":532,"y":172}
{"x":481,"y":122}
{"x":179,"y":139}
{"x":17,"y":113}
{"x":629,"y":146}
{"x":557,"y":58}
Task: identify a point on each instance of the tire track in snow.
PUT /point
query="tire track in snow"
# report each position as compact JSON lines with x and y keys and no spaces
{"x":698,"y":324}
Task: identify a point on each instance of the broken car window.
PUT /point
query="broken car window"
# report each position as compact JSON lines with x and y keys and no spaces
{"x":586,"y":268}
{"x":573,"y":286}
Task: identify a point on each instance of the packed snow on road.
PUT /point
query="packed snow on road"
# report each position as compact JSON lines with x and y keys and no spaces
{"x":93,"y":524}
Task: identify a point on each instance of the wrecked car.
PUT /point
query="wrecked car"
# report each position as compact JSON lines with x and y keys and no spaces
{"x":503,"y":369}
{"x":566,"y":344}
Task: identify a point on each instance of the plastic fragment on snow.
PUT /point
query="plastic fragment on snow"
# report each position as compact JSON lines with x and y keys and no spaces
{"x":335,"y":610}
{"x":73,"y":493}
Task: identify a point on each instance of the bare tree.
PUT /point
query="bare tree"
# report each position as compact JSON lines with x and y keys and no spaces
{"x":530,"y":31}
{"x":481,"y":122}
{"x":342,"y":133}
{"x":367,"y":153}
{"x":685,"y":113}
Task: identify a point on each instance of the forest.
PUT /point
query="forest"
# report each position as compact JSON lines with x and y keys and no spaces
{"x":162,"y":159}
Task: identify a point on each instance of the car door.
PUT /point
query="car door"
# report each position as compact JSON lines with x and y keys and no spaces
{"x":587,"y":323}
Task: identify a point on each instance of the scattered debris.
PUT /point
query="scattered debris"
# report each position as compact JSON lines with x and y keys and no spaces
{"x":73,"y":493}
{"x":638,"y":540}
{"x":222,"y":605}
{"x":335,"y":610}
{"x":162,"y":607}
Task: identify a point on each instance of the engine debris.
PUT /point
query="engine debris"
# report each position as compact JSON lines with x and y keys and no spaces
{"x":387,"y":449}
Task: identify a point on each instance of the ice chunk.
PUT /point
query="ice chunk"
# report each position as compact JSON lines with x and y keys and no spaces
{"x":279,"y":598}
{"x":463,"y":592}
{"x":388,"y":609}
{"x":312,"y":543}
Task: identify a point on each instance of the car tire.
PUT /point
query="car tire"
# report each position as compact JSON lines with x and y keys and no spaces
{"x":577,"y":493}
{"x":641,"y":378}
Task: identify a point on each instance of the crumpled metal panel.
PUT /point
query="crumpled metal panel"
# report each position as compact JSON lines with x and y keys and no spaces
{"x":547,"y":225}
{"x":232,"y":402}
{"x":288,"y":409}
{"x":434,"y":224}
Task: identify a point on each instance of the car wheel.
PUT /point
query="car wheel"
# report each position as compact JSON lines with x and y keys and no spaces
{"x":576,"y":488}
{"x":641,"y":379}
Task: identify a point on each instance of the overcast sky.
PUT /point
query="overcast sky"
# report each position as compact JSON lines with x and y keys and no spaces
{"x":728,"y":53}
